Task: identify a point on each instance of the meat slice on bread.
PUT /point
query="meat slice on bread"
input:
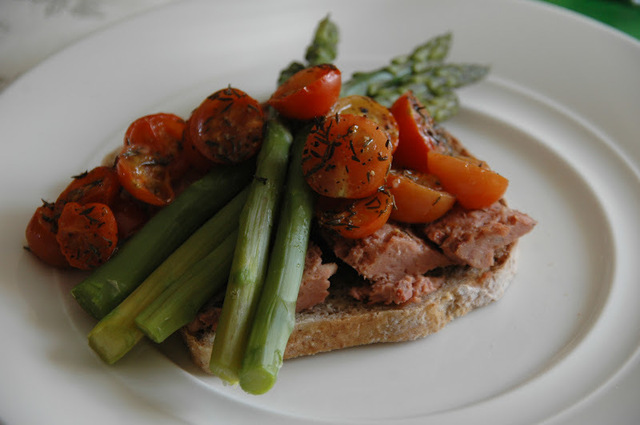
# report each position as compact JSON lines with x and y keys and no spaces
{"x":401,"y":283}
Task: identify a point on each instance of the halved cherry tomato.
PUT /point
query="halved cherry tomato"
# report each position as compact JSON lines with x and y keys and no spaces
{"x":101,"y":184}
{"x":369,"y":108}
{"x":41,"y":237}
{"x":228,"y":126}
{"x":355,"y":218}
{"x":196,"y":159}
{"x":418,"y":197}
{"x":131,"y":214}
{"x":415,"y":140}
{"x":152,"y":158}
{"x":473,"y":183}
{"x":87,"y":234}
{"x":308,"y":93}
{"x":346,"y":156}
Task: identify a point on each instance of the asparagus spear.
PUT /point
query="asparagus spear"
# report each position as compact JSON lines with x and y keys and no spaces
{"x":251,"y":253}
{"x":275,"y":315}
{"x":112,"y":282}
{"x":117,"y":332}
{"x":179,"y":303}
{"x":431,"y":52}
{"x":323,"y":49}
{"x":424,"y":73}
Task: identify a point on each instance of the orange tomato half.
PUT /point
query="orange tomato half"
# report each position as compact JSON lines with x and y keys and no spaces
{"x":355,"y":218}
{"x":418,"y":198}
{"x":369,"y":108}
{"x":473,"y":183}
{"x":346,"y":156}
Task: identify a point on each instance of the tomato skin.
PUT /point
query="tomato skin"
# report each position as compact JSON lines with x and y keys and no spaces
{"x":130,"y":214}
{"x":418,"y":198}
{"x":474,"y":184}
{"x":227,"y":127}
{"x":101,"y":184}
{"x":151,"y":158}
{"x":41,"y":237}
{"x":346,"y":156}
{"x":309,"y":93}
{"x":87,"y":234}
{"x":355,"y":218}
{"x":369,"y":108}
{"x":415,"y":141}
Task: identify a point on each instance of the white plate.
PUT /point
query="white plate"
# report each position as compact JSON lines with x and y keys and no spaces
{"x":558,"y":115}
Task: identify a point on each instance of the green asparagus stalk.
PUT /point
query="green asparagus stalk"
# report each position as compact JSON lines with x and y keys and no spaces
{"x":112,"y":282}
{"x":275,"y":315}
{"x":251,"y":253}
{"x":117,"y":332}
{"x":427,"y":54}
{"x":423,"y":72}
{"x":179,"y":303}
{"x":323,"y":49}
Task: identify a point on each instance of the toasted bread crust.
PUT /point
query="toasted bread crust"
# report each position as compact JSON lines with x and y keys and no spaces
{"x":343,"y":322}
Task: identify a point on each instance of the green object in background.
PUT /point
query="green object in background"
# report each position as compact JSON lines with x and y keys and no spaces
{"x":621,"y":14}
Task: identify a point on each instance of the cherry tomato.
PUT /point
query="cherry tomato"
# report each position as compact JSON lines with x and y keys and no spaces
{"x":131,"y":214}
{"x":418,"y":198}
{"x":101,"y":184}
{"x":152,"y":158}
{"x":473,"y":183}
{"x":346,"y":156}
{"x":369,"y":108}
{"x":41,"y":237}
{"x":415,"y":140}
{"x":199,"y":163}
{"x":355,"y":218}
{"x":308,"y":93}
{"x":87,"y":234}
{"x":228,"y":126}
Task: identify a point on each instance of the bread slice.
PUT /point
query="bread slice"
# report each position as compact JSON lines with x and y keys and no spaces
{"x":342,"y":322}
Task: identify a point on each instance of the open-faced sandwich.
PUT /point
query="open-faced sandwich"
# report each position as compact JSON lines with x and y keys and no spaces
{"x":330,"y":216}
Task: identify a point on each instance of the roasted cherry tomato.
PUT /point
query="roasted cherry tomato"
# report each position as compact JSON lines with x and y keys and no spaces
{"x":415,"y":140}
{"x":309,"y":93}
{"x":152,"y":158}
{"x":417,"y":197}
{"x":101,"y":184}
{"x":369,"y":108}
{"x":198,"y":162}
{"x":346,"y":156}
{"x":41,"y":237}
{"x":355,"y":218}
{"x":228,"y":126}
{"x":131,"y":214}
{"x":87,"y":234}
{"x":473,"y":183}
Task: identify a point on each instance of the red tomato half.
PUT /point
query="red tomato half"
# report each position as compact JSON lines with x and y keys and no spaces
{"x":101,"y":184}
{"x":41,"y":237}
{"x":415,"y":142}
{"x":152,"y":158}
{"x":87,"y":234}
{"x":346,"y":156}
{"x":309,"y":93}
{"x":417,"y":197}
{"x":473,"y":183}
{"x":355,"y":218}
{"x":227,"y":127}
